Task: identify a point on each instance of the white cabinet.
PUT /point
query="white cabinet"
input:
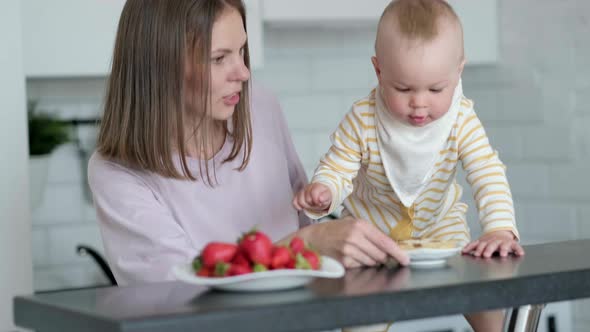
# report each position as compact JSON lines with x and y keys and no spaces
{"x":69,"y":37}
{"x":254,"y":25}
{"x":75,"y":38}
{"x":480,"y":29}
{"x":65,"y":38}
{"x":479,"y":18}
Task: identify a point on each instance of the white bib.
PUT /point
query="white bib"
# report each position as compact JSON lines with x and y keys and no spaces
{"x":409,"y":153}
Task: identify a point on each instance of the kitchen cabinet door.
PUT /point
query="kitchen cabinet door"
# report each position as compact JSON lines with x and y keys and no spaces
{"x":254,"y":25}
{"x":75,"y":38}
{"x":64,"y":38}
{"x":479,"y":18}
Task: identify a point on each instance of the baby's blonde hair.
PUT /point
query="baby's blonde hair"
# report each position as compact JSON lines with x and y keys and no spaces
{"x":419,"y":19}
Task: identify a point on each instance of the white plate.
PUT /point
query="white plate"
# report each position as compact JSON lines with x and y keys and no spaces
{"x":429,"y":257}
{"x":262,"y":281}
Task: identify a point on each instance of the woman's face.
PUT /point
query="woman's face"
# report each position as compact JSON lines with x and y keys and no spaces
{"x":226,"y":62}
{"x":228,"y":71}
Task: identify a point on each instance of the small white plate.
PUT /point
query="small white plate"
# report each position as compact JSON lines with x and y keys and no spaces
{"x":262,"y":281}
{"x":429,"y":257}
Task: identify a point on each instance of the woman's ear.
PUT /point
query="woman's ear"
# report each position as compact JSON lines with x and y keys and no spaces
{"x":376,"y":67}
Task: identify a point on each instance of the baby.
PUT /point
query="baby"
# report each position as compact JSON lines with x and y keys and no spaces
{"x":394,"y":156}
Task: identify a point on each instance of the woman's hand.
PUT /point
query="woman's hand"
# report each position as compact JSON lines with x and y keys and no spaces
{"x":353,"y":242}
{"x":315,"y":197}
{"x":503,"y":242}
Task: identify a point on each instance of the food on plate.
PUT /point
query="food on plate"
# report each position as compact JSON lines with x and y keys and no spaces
{"x":253,"y":252}
{"x":414,"y":244}
{"x":216,"y":252}
{"x":257,"y":246}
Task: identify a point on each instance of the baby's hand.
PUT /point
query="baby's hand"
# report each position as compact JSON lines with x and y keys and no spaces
{"x":315,"y":197}
{"x":503,"y":242}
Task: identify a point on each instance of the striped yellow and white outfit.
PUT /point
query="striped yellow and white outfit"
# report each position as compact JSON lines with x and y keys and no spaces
{"x":354,"y":172}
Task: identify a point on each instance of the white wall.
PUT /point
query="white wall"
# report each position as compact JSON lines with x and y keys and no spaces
{"x":531,"y":103}
{"x":15,"y":227}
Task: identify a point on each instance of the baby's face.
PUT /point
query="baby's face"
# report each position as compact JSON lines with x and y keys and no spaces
{"x":418,"y":78}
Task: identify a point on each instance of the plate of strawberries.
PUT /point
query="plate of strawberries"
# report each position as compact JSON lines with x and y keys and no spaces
{"x":254,"y":263}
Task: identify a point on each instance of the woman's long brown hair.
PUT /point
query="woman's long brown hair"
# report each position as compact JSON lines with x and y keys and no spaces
{"x":144,"y":120}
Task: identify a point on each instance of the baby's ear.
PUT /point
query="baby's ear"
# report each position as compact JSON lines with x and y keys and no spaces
{"x":376,"y":67}
{"x":461,"y":66}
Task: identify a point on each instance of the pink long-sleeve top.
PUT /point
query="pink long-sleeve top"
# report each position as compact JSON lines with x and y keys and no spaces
{"x":150,"y":223}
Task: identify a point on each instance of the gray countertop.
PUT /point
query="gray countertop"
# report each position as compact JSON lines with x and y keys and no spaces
{"x":547,"y":273}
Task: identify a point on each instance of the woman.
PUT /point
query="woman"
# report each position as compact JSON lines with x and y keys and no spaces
{"x":182,"y":158}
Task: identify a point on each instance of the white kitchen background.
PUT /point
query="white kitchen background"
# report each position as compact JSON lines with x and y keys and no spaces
{"x":531,"y":101}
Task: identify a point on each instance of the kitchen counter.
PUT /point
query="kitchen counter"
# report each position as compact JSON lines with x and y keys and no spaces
{"x":547,"y":273}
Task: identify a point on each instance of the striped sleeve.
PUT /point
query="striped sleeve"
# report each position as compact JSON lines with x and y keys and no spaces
{"x":487,"y":177}
{"x":340,"y":165}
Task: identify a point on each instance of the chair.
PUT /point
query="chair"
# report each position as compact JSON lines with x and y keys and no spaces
{"x":98,"y":259}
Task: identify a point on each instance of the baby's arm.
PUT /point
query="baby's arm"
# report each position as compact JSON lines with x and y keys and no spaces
{"x":337,"y":168}
{"x":487,"y":177}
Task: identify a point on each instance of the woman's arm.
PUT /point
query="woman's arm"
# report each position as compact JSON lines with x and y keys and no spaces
{"x":352,"y":241}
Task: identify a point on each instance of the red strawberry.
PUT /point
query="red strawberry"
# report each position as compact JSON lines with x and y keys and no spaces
{"x":241,"y":258}
{"x":258,"y":247}
{"x":291,"y":263}
{"x":237,"y":269}
{"x":215,"y":252}
{"x":297,"y":245}
{"x":205,"y":272}
{"x":312,"y":258}
{"x":229,"y":269}
{"x":280,"y":257}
